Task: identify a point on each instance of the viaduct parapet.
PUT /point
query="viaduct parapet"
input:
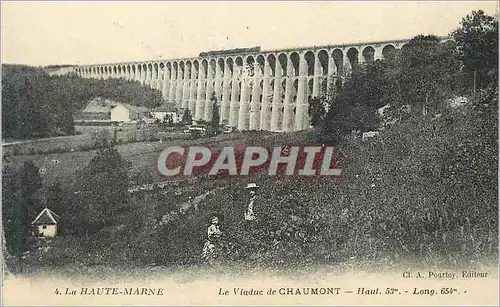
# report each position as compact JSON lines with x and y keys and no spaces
{"x":256,"y":90}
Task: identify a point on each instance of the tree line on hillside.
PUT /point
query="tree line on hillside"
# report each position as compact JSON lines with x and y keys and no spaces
{"x":35,"y":104}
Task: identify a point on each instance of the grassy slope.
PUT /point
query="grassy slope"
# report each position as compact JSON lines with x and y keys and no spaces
{"x":411,"y":194}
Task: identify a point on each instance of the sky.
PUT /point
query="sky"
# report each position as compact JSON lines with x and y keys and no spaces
{"x":84,"y":33}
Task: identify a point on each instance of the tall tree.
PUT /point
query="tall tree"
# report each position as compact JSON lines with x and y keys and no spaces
{"x":477,"y":40}
{"x":102,"y":188}
{"x":187,"y":119}
{"x":429,"y":72}
{"x":316,"y":111}
{"x":214,"y":122}
{"x":369,"y":87}
{"x":18,"y":198}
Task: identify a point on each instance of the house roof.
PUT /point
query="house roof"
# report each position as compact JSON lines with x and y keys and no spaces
{"x":135,"y":109}
{"x":47,"y":216}
{"x":100,"y":105}
{"x":168,"y":107}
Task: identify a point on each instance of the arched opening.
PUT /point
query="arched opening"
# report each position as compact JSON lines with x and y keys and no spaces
{"x":271,"y":59}
{"x":295,"y":88}
{"x":369,"y":54}
{"x":388,"y":52}
{"x":221,"y":66}
{"x":196,"y":70}
{"x":181,"y":70}
{"x":189,"y":68}
{"x":174,"y":70}
{"x":230,"y":91}
{"x":261,"y":64}
{"x":212,"y":68}
{"x":162,"y":71}
{"x":169,"y":71}
{"x":352,"y":55}
{"x":310,"y":61}
{"x":282,"y":59}
{"x":295,"y":59}
{"x":283,"y":89}
{"x":338,"y":60}
{"x":204,"y":69}
{"x":323,"y":61}
{"x":230,"y":66}
{"x":155,"y":71}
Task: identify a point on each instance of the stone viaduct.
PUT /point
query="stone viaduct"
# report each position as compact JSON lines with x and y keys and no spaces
{"x":256,"y":90}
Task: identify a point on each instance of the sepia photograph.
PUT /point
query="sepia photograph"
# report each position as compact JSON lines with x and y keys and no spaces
{"x":201,"y":153}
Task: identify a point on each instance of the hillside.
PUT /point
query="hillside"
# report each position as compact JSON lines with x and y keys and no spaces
{"x":405,"y":196}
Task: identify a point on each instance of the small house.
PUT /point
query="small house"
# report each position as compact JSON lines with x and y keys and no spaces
{"x":45,"y":224}
{"x":125,"y":112}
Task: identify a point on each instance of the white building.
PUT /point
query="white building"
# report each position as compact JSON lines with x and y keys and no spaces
{"x":167,"y":110}
{"x":124,"y":112}
{"x":45,"y":223}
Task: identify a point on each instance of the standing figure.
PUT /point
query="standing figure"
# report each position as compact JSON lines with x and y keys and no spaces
{"x":249,"y":214}
{"x":212,"y":244}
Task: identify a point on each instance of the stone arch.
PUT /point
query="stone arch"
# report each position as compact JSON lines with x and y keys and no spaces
{"x":283,"y":62}
{"x":162,"y":70}
{"x":261,"y":62}
{"x":271,"y":59}
{"x":310,"y":62}
{"x":155,"y":71}
{"x":168,"y":70}
{"x":295,"y":88}
{"x":221,"y":66}
{"x":211,"y":69}
{"x":238,"y":62}
{"x":295,"y":60}
{"x":352,"y":56}
{"x":250,"y":61}
{"x":230,"y":66}
{"x":323,"y":59}
{"x":196,"y":66}
{"x":189,"y":70}
{"x":204,"y":68}
{"x":181,"y":70}
{"x":369,"y":54}
{"x":388,"y":52}
{"x":175,"y":70}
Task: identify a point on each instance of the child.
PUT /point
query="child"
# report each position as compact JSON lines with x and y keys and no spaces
{"x":214,"y":235}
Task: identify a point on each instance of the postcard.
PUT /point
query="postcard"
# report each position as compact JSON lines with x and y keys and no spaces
{"x":181,"y":153}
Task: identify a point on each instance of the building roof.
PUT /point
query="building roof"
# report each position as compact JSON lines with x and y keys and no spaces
{"x":134,"y":109}
{"x":100,"y":105}
{"x":168,"y":107}
{"x":47,"y":216}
